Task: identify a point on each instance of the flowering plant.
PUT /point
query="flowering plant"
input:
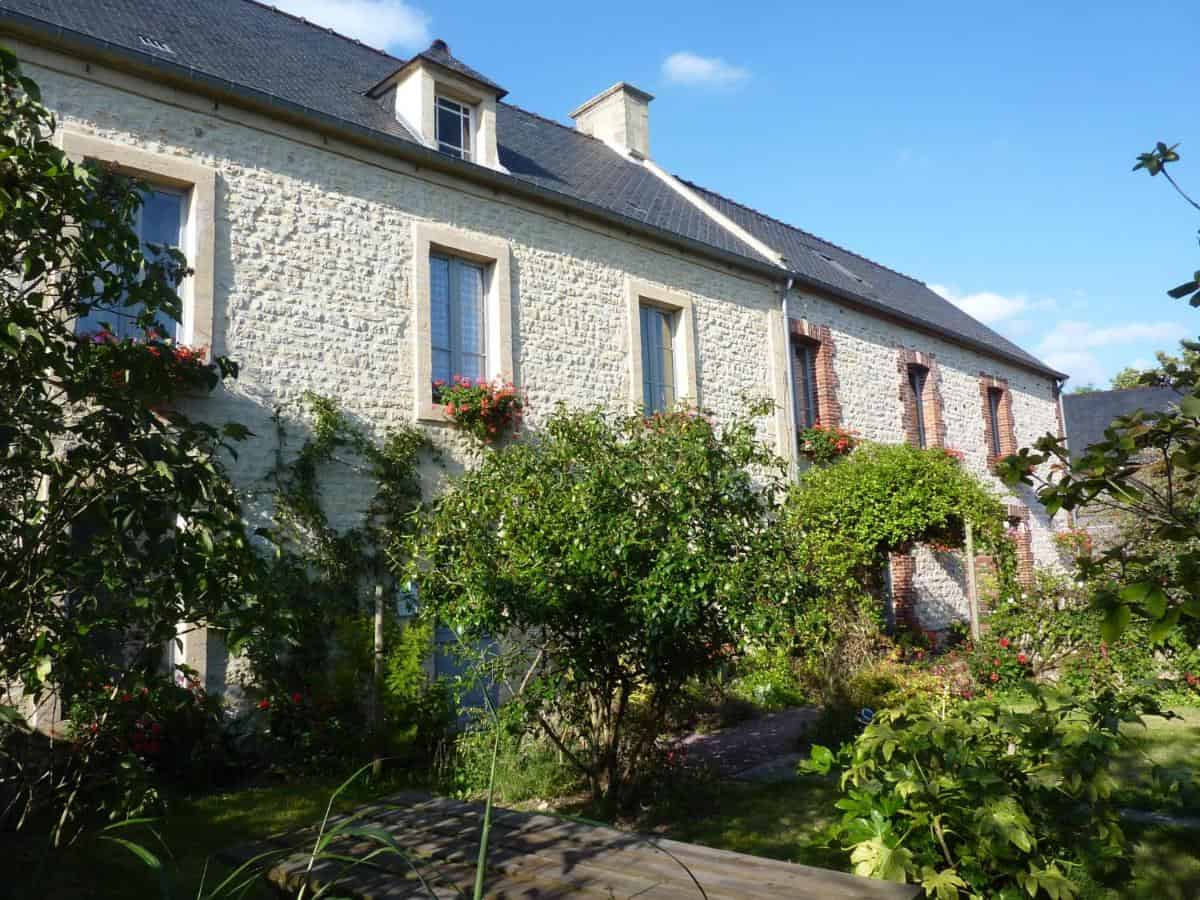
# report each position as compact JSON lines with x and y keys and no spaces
{"x":485,"y":409}
{"x":155,"y":365}
{"x":1074,"y":542}
{"x":824,"y":444}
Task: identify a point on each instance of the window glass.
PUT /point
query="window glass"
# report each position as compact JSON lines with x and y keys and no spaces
{"x":658,"y":359}
{"x":995,"y":395}
{"x":458,"y":336}
{"x":807,"y":408}
{"x":453,"y":122}
{"x":916,"y":381}
{"x":160,"y":223}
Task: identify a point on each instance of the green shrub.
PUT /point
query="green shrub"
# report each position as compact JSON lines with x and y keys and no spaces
{"x":767,"y":678}
{"x":973,"y":797}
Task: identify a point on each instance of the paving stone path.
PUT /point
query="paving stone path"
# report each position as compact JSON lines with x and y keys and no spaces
{"x":762,"y":749}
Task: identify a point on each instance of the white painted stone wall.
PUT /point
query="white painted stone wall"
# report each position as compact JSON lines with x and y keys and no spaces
{"x":313,"y":292}
{"x":865,"y":363}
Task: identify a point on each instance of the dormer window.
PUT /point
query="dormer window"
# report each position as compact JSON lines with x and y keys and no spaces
{"x":453,"y":124}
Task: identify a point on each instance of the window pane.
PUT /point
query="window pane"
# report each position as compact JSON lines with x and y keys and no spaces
{"x":650,"y":360}
{"x":658,"y":360}
{"x":470,"y":308}
{"x":916,"y":380}
{"x":806,"y":384}
{"x":449,"y":128}
{"x":994,"y":397}
{"x":472,"y":366}
{"x":159,"y":221}
{"x":441,"y":366}
{"x":439,"y":304}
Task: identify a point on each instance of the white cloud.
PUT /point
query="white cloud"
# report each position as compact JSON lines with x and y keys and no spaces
{"x":378,"y":23}
{"x":709,"y":71}
{"x":986,"y":306}
{"x":1092,"y":354}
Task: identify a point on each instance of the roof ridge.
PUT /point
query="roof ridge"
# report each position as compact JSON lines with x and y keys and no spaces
{"x":319,"y":27}
{"x":802,"y":231}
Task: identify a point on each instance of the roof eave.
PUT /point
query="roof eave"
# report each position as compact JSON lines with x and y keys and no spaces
{"x":105,"y":51}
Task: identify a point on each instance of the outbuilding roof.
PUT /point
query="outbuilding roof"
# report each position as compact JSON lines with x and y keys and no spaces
{"x":301,"y":69}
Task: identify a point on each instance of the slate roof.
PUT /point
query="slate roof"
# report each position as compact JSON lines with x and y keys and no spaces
{"x":301,"y":68}
{"x":1087,"y":415}
{"x":439,"y":54}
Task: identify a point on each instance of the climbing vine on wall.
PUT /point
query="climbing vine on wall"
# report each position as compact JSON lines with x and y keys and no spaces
{"x":319,"y":572}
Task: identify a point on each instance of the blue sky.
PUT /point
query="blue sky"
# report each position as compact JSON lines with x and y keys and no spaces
{"x":983,"y":148}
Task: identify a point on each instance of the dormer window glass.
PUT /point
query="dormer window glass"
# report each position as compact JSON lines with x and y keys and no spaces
{"x":453,"y":121}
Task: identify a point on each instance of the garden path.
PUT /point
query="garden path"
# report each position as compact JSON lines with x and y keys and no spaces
{"x":762,"y":749}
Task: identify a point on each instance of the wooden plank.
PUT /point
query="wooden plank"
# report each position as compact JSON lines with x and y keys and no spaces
{"x":535,"y":855}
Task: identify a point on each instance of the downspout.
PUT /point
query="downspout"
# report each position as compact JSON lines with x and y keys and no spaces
{"x":1059,"y":384}
{"x":791,"y":377}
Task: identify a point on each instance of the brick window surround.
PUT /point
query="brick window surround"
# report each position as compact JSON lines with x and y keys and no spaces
{"x":1018,"y":523}
{"x":1006,"y":426}
{"x":903,"y":569}
{"x":829,"y":411}
{"x":935,"y":426}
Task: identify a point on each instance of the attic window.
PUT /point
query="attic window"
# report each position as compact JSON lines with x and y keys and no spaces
{"x":453,"y":128}
{"x":155,"y":44}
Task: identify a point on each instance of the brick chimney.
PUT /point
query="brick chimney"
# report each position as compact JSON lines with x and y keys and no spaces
{"x":619,"y":116}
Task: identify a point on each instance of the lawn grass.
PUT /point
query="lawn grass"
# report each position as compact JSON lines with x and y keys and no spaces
{"x":194,"y":829}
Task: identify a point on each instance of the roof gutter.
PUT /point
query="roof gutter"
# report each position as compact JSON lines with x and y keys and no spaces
{"x":47,"y":33}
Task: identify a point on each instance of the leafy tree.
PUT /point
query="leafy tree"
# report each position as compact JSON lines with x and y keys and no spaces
{"x":116,"y":519}
{"x":1084,"y":389}
{"x":1128,"y":377}
{"x":621,"y":557}
{"x":1146,"y":467}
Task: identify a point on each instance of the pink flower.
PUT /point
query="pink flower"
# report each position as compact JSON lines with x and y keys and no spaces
{"x":995,"y":676}
{"x":1022,"y":658}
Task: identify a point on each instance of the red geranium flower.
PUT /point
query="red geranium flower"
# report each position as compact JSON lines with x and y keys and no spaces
{"x":995,"y":676}
{"x":1022,"y":658}
{"x":1005,"y":643}
{"x":264,"y":703}
{"x":296,"y":698}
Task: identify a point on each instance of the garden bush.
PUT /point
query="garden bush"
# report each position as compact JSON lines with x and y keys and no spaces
{"x":975,"y":797}
{"x":623,"y":557}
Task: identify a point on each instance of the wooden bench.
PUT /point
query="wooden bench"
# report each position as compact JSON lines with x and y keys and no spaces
{"x":541,"y":856}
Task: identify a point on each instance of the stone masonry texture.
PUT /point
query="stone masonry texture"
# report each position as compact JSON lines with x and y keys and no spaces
{"x":312,"y":292}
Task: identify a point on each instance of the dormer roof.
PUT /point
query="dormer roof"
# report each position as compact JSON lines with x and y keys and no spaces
{"x":438,"y":54}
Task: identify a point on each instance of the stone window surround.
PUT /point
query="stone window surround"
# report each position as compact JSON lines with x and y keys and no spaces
{"x":200,"y":183}
{"x":829,"y":410}
{"x":1007,"y":426}
{"x":935,"y":425}
{"x":637,"y":292}
{"x":494,"y":254}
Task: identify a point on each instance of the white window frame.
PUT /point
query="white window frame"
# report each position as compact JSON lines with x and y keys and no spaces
{"x":639,"y":293}
{"x":198,"y":239}
{"x":466,"y":113}
{"x":494,"y":255}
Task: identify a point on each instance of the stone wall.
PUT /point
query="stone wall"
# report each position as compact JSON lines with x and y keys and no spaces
{"x":870,"y":365}
{"x":313,"y":290}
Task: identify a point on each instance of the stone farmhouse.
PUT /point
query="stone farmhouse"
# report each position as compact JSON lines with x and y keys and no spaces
{"x":361,"y":224}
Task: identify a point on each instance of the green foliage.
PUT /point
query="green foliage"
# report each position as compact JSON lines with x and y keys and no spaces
{"x":767,"y":677}
{"x":973,"y":796}
{"x":622,"y":558}
{"x":884,"y":499}
{"x":116,"y":519}
{"x":846,"y":519}
{"x":319,"y":574}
